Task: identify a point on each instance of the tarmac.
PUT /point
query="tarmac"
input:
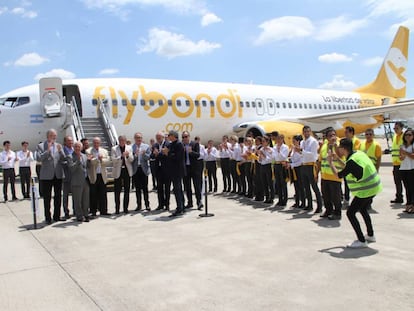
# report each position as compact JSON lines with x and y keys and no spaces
{"x":248,"y":256}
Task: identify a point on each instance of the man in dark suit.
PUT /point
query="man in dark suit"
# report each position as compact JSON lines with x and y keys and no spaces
{"x":192,"y":169}
{"x":175,"y":168}
{"x":161,"y":171}
{"x":68,"y":150}
{"x":50,"y":153}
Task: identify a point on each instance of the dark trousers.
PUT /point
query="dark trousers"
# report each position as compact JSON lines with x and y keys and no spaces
{"x":124,"y":180}
{"x":331,"y":193}
{"x":346,"y":191}
{"x":407,"y":177}
{"x":187,"y":186}
{"x":225,"y":171}
{"x":266,"y":176}
{"x":67,"y":188}
{"x":163,"y":189}
{"x":242,"y":177}
{"x":194,"y":175}
{"x":248,"y":173}
{"x":47,"y":186}
{"x":153,"y":173}
{"x":141,"y":185}
{"x":299,"y":190}
{"x":98,"y":198}
{"x":9,"y":176}
{"x":25,"y":175}
{"x":397,"y":181}
{"x":258,"y":182}
{"x":212,"y":175}
{"x":281,"y":184}
{"x":360,"y":205}
{"x":178,"y":193}
{"x":308,"y":180}
{"x":234,"y":176}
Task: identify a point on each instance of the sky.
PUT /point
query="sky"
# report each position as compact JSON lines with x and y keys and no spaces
{"x":331,"y":44}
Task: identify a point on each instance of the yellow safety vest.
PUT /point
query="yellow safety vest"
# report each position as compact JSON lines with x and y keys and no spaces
{"x":370,"y":183}
{"x":371,"y":150}
{"x":326,"y":171}
{"x":397,"y":141}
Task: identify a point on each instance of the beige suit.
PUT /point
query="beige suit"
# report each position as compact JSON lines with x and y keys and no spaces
{"x":94,"y":164}
{"x":116,"y":157}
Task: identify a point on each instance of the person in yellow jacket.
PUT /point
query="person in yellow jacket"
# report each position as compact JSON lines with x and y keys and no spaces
{"x":356,"y":144}
{"x":364,"y":183}
{"x":330,"y":183}
{"x":397,"y":141}
{"x":372,"y":148}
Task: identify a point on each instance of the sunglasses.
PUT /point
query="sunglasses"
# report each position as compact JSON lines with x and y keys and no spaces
{"x":184,"y":136}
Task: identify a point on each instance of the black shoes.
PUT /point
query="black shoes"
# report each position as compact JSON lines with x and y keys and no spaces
{"x":175,"y":214}
{"x":397,"y":201}
{"x":325,"y":215}
{"x":138,"y":208}
{"x":334,"y":217}
{"x":200,"y":207}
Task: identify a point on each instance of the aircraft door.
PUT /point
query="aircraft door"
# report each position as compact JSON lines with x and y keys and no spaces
{"x":72,"y":91}
{"x":51,"y":97}
{"x":260,"y":108}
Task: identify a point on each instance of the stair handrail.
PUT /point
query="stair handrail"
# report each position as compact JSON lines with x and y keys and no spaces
{"x":109,"y":127}
{"x":76,"y":119}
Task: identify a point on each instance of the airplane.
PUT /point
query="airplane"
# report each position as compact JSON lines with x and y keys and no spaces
{"x":205,"y":109}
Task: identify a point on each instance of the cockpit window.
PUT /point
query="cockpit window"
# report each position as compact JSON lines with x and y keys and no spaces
{"x":14,"y":102}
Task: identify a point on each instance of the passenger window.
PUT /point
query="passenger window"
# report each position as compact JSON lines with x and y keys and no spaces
{"x":124,"y":102}
{"x":248,"y":104}
{"x":212,"y":103}
{"x":324,"y":106}
{"x":295,"y":106}
{"x":241,"y":104}
{"x":151,"y":102}
{"x":227,"y":104}
{"x":271,"y":105}
{"x":289,"y":105}
{"x":277,"y":105}
{"x":178,"y":102}
{"x":170,"y":102}
{"x":259,"y":104}
{"x":187,"y":103}
{"x":142,"y":102}
{"x":284,"y":105}
{"x":320,"y":106}
{"x":253,"y":104}
{"x":329,"y":107}
{"x":204,"y":103}
{"x":161,"y":102}
{"x":196,"y":103}
{"x":300,"y":106}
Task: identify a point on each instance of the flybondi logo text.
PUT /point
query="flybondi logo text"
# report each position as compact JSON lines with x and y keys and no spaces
{"x":395,"y":66}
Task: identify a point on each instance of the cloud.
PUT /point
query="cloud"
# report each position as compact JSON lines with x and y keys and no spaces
{"x":3,"y":10}
{"x":210,"y":18}
{"x":23,"y":12}
{"x":170,"y":45}
{"x":334,"y":58}
{"x":338,"y":83}
{"x":374,"y":61}
{"x":30,"y":59}
{"x":285,"y":28}
{"x":109,"y":71}
{"x":338,"y":27}
{"x":61,"y":73}
{"x":121,"y":8}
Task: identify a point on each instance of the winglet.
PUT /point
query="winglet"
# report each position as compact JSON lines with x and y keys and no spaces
{"x":391,"y":80}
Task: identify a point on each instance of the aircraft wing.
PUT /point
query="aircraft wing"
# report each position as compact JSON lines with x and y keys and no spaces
{"x":397,"y":111}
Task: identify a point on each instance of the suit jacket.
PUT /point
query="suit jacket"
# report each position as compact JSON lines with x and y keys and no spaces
{"x":78,"y":167}
{"x":175,"y":160}
{"x":116,"y":157}
{"x":51,"y":162}
{"x":94,"y":163}
{"x":160,"y":159}
{"x":65,"y":164}
{"x":195,"y":164}
{"x":141,"y":160}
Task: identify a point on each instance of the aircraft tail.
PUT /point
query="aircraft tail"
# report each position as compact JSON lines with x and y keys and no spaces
{"x":391,"y":80}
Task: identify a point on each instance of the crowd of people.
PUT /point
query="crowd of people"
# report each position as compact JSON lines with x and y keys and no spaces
{"x":258,"y":168}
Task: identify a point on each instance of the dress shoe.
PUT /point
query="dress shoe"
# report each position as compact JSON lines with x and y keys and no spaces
{"x":397,"y":201}
{"x":138,"y":208}
{"x":117,"y":212}
{"x":268,"y":201}
{"x":126,"y":211}
{"x":200,"y":207}
{"x":175,"y":214}
{"x":334,"y":217}
{"x":147,"y":208}
{"x":325,"y":215}
{"x":60,"y":219}
{"x":318,"y":210}
{"x":105,"y":214}
{"x":14,"y":199}
{"x":49,"y":221}
{"x":188,"y":206}
{"x":308,"y":208}
{"x":159,"y":208}
{"x":79,"y":219}
{"x":86,"y":219}
{"x":258,"y":199}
